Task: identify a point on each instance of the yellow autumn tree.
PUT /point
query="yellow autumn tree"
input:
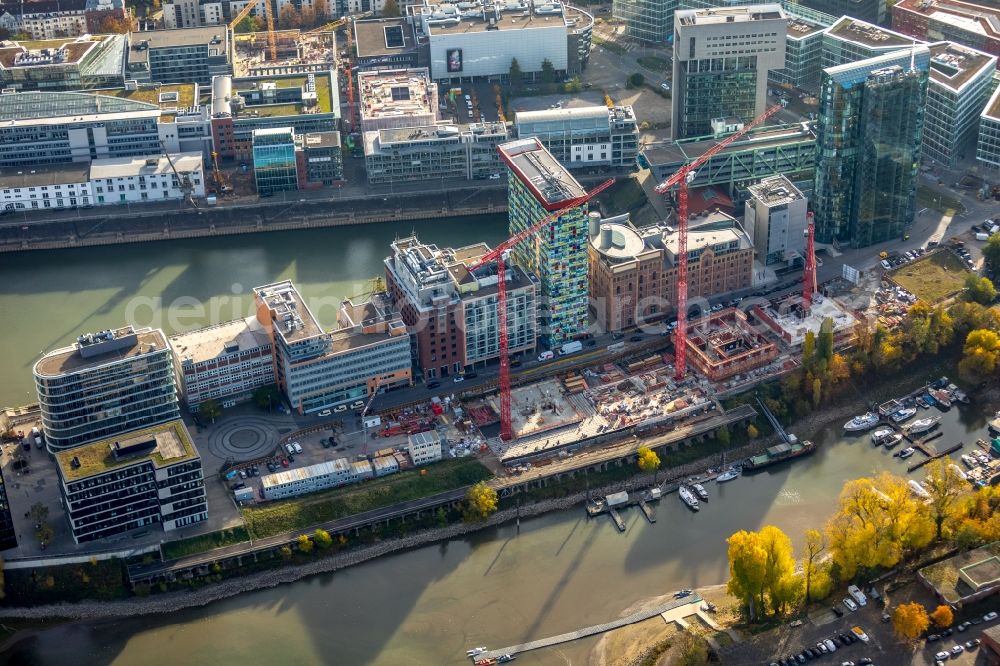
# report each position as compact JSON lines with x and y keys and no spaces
{"x":910,"y":620}
{"x":647,"y":459}
{"x":942,"y":617}
{"x":762,"y":571}
{"x":481,"y":502}
{"x":946,"y":487}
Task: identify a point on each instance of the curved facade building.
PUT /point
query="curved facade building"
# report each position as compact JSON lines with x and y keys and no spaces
{"x":105,"y":384}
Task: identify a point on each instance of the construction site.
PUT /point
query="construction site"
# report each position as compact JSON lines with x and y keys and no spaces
{"x":723,"y":344}
{"x":790,"y":321}
{"x":293,"y":52}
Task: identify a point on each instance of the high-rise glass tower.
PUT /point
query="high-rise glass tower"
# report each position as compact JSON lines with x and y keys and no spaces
{"x":274,"y":164}
{"x":869,"y":137}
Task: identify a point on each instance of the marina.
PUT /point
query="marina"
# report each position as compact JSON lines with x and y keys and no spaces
{"x":612,"y":503}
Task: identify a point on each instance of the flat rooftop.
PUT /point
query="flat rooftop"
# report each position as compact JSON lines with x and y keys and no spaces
{"x":775,"y":191}
{"x":293,"y":320}
{"x":383,"y":37}
{"x":212,"y":342}
{"x":766,"y":137}
{"x":173,"y":445}
{"x":396,"y":93}
{"x":596,"y":115}
{"x":40,"y":53}
{"x":974,"y":17}
{"x":54,"y":174}
{"x":321,"y":140}
{"x":162,"y":39}
{"x":534,"y":165}
{"x":715,"y":228}
{"x":729,"y":14}
{"x":127,"y":343}
{"x":323,"y":95}
{"x":954,"y":65}
{"x":169,"y":97}
{"x":870,"y":35}
{"x":992,"y":109}
{"x":795,"y":326}
{"x":448,"y":18}
{"x":799,"y":27}
{"x":121,"y":167}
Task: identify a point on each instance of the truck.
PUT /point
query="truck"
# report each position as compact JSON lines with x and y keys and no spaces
{"x":616,"y":346}
{"x":982,"y":237}
{"x":571,"y":348}
{"x":546,"y":356}
{"x":858,"y":595}
{"x":243,"y":494}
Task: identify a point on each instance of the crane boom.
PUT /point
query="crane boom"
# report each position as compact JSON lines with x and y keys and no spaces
{"x":242,"y":15}
{"x":499,"y":254}
{"x":684,"y":176}
{"x":272,"y":39}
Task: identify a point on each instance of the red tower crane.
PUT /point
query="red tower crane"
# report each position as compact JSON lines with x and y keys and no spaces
{"x":809,"y":274}
{"x":499,"y":254}
{"x":682,"y":179}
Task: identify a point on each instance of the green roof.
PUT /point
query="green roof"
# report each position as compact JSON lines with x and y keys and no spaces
{"x":945,"y":575}
{"x":151,"y":95}
{"x":324,"y":95}
{"x":98,"y":457}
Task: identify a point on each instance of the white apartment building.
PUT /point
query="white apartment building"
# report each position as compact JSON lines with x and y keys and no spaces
{"x":424,"y":447}
{"x":225,"y":362}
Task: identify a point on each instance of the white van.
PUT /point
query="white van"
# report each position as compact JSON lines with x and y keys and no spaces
{"x":858,"y":595}
{"x":297,"y":447}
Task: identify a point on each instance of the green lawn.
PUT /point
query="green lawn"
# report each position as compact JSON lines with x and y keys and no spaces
{"x":654,"y":63}
{"x":943,"y":203}
{"x":199,"y":544}
{"x":932,"y":278}
{"x":300,"y":512}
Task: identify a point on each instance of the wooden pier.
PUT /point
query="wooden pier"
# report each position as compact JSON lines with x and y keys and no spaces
{"x":514,"y":650}
{"x":615,"y":516}
{"x":642,"y":499}
{"x":935,"y":456}
{"x":647,"y":510}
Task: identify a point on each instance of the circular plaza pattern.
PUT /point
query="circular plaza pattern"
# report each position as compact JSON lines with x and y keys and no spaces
{"x":244,"y":438}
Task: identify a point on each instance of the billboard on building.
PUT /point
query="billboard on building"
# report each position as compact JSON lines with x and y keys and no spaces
{"x":454,"y":60}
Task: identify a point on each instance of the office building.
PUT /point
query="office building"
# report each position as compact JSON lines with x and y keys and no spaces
{"x":869,"y":136}
{"x":480,"y":42}
{"x":292,"y":482}
{"x":105,"y":384}
{"x":633,"y":271}
{"x":851,"y":40}
{"x":307,"y":102}
{"x":396,"y":98}
{"x":872,"y":11}
{"x":584,"y":137}
{"x":385,"y":43}
{"x":8,"y":532}
{"x":646,"y":20}
{"x":79,"y":63}
{"x":424,"y":447}
{"x":803,"y":54}
{"x":128,"y":481}
{"x":187,"y":55}
{"x":715,"y":73}
{"x":434,"y":152}
{"x":275,"y":168}
{"x":317,"y":369}
{"x":788,"y":150}
{"x":988,"y":143}
{"x":775,"y":219}
{"x":957,"y":92}
{"x":320,"y":159}
{"x":225,"y":362}
{"x":538,"y":186}
{"x":975,"y":24}
{"x":452,"y":311}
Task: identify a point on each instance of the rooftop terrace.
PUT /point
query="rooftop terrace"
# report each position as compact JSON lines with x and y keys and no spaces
{"x":323,"y":95}
{"x":212,"y":342}
{"x":954,"y":65}
{"x":799,"y":27}
{"x":173,"y":445}
{"x":395,"y":93}
{"x":971,"y":16}
{"x":39,"y":53}
{"x":447,"y":18}
{"x":169,"y":97}
{"x":292,"y":319}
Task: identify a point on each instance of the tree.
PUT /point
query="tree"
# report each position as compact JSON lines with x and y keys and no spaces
{"x":515,"y":75}
{"x":817,"y":392}
{"x":910,"y":620}
{"x":808,"y":349}
{"x":573,"y":86}
{"x":481,"y":502}
{"x":39,"y":513}
{"x":980,"y":354}
{"x":752,"y":431}
{"x":942,"y":617}
{"x":814,"y":545}
{"x":114,"y":24}
{"x":248,"y":24}
{"x":635,"y":80}
{"x":305,"y":544}
{"x":647,"y":459}
{"x":289,"y":18}
{"x":286,"y":553}
{"x":979,"y":289}
{"x":946,"y":487}
{"x":322,"y":539}
{"x":210,"y":410}
{"x":690,"y":650}
{"x":747,"y":570}
{"x":266,"y":397}
{"x":991,"y":254}
{"x":548,"y":76}
{"x":723,"y":436}
{"x":779,"y":577}
{"x":824,"y":342}
{"x":390,"y":9}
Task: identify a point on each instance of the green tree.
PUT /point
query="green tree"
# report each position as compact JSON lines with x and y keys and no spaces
{"x":824,"y":342}
{"x":573,"y":86}
{"x":481,"y":502}
{"x":441,"y":517}
{"x":390,"y":9}
{"x":815,"y":544}
{"x":980,"y":289}
{"x":635,"y":80}
{"x":305,"y":544}
{"x":39,"y":513}
{"x":690,"y":650}
{"x":647,"y":459}
{"x":515,"y":76}
{"x":991,"y":254}
{"x":817,"y":392}
{"x":980,"y":354}
{"x":286,"y":553}
{"x":910,"y":620}
{"x":266,"y":397}
{"x":946,"y":487}
{"x":548,"y":75}
{"x":248,"y":24}
{"x":808,"y":349}
{"x":322,"y":539}
{"x":210,"y":410}
{"x":724,"y":436}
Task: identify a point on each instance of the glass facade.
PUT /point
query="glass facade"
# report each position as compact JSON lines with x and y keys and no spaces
{"x":869,"y":138}
{"x":988,"y":145}
{"x":714,"y":87}
{"x":646,"y":20}
{"x":274,"y":164}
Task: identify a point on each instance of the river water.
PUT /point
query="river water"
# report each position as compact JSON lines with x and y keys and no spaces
{"x":426,"y":606}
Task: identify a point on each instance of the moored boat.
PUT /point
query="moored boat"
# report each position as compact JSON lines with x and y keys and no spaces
{"x":907,"y":452}
{"x":969,"y":460}
{"x":918,"y":489}
{"x":941,"y":397}
{"x":958,"y":470}
{"x":700,"y":491}
{"x":957,"y":394}
{"x":728,"y":475}
{"x":687,"y":496}
{"x":777,"y":454}
{"x":882,"y":434}
{"x":861,"y":423}
{"x":903,"y":414}
{"x":923,"y":425}
{"x":893,"y":440}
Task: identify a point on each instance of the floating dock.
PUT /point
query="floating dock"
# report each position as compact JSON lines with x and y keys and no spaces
{"x":620,"y":500}
{"x":935,"y":456}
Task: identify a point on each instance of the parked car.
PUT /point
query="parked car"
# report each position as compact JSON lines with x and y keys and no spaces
{"x":458,"y":379}
{"x":957,"y":650}
{"x":942,"y":655}
{"x":851,"y":606}
{"x":325,"y":412}
{"x":972,"y":645}
{"x":837,"y":611}
{"x":989,"y":617}
{"x":433,"y":385}
{"x":635,"y":338}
